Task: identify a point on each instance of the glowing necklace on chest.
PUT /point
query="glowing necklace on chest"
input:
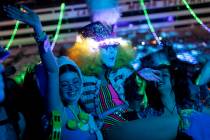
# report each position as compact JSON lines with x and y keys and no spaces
{"x":80,"y":121}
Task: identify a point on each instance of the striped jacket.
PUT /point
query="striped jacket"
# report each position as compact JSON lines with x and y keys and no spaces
{"x":91,"y":98}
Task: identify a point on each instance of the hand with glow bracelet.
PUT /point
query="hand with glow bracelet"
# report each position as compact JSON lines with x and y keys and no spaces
{"x":56,"y":126}
{"x":30,"y":18}
{"x":25,"y":15}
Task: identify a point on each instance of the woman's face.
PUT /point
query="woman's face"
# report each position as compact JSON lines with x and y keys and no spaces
{"x":160,"y":58}
{"x":108,"y":55}
{"x":165,"y":80}
{"x":70,"y":87}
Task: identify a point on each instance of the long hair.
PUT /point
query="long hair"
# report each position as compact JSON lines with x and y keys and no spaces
{"x":152,"y":93}
{"x":33,"y":105}
{"x":180,"y":85}
{"x":89,"y":61}
{"x":154,"y":98}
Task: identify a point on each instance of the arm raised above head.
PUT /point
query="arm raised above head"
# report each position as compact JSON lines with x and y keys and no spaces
{"x":30,"y":18}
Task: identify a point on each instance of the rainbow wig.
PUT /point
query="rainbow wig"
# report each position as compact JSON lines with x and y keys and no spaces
{"x":86,"y":54}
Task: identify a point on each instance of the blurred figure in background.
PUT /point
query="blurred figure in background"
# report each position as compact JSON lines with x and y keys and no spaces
{"x":12,"y":122}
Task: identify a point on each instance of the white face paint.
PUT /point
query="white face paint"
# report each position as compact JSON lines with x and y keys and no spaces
{"x":70,"y":87}
{"x":108,"y":55}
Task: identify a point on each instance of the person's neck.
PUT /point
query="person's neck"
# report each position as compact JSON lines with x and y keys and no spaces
{"x":74,"y":107}
{"x":166,"y":91}
{"x":169,"y":102}
{"x":106,"y":69}
{"x":104,"y":75}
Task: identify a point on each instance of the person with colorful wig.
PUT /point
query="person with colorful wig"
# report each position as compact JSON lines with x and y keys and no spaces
{"x":105,"y":60}
{"x":64,"y":86}
{"x":152,"y":113}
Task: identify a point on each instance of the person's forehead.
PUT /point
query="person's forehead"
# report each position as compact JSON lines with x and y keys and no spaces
{"x":158,"y":55}
{"x":69,"y":75}
{"x":164,"y":70}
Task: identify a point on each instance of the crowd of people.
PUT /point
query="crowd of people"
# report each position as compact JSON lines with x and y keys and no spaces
{"x":94,"y":93}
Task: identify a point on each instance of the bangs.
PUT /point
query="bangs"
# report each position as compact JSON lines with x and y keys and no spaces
{"x":67,"y":68}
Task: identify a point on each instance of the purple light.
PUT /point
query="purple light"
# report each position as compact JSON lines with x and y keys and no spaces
{"x":156,"y":38}
{"x":205,"y":27}
{"x":130,"y":25}
{"x":170,"y":19}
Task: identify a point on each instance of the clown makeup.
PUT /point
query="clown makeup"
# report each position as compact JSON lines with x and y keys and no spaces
{"x":70,"y":87}
{"x":108,"y":54}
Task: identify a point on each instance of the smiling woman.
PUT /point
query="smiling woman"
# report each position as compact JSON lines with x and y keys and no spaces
{"x":70,"y":81}
{"x":64,"y":86}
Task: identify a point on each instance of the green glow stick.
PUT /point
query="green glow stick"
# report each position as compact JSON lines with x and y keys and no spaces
{"x":59,"y":24}
{"x":13,"y":35}
{"x":195,"y":16}
{"x":141,"y":2}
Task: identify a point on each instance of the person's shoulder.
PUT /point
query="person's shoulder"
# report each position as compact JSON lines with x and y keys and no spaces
{"x":90,"y":79}
{"x":91,"y":83}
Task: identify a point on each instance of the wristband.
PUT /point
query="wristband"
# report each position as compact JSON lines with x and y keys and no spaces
{"x":56,"y":126}
{"x":40,"y":37}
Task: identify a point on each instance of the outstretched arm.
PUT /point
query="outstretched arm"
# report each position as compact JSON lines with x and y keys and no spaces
{"x":29,"y":17}
{"x":149,"y":74}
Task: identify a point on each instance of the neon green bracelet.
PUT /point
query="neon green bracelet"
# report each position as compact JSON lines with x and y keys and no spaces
{"x":55,"y":123}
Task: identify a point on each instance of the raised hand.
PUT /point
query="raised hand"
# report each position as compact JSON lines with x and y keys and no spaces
{"x":149,"y":74}
{"x":25,"y":15}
